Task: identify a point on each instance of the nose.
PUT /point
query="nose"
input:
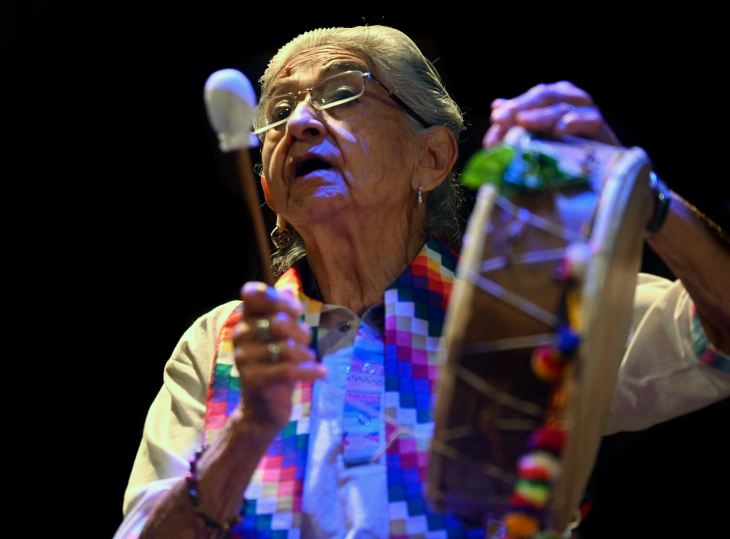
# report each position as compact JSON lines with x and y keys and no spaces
{"x":305,"y":121}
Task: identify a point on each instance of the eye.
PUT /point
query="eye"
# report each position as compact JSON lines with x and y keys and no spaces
{"x":343,"y":91}
{"x":336,"y":89}
{"x":279,"y":109}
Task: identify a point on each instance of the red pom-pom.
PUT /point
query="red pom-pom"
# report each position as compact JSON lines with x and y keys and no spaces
{"x":535,"y":474}
{"x":549,"y":438}
{"x":547,"y":364}
{"x":518,"y":501}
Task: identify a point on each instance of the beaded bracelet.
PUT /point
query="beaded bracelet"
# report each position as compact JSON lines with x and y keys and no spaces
{"x":192,"y":481}
{"x":662,"y":198}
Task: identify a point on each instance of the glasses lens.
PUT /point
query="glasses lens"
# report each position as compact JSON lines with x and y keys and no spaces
{"x":274,"y":109}
{"x":330,"y":92}
{"x":338,"y":89}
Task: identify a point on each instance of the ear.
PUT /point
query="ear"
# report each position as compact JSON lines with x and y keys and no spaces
{"x":281,"y":222}
{"x":438,"y":155}
{"x":267,"y":193}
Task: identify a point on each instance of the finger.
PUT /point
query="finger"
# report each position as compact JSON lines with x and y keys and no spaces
{"x":494,"y":135}
{"x":261,"y":300}
{"x":549,"y":94}
{"x":542,"y":95}
{"x":255,"y":353}
{"x":544,"y":119}
{"x":282,"y":326}
{"x":502,"y":114}
{"x":261,"y":375}
{"x":587,"y":123}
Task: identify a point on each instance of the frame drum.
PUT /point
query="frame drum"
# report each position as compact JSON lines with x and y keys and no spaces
{"x":511,"y":297}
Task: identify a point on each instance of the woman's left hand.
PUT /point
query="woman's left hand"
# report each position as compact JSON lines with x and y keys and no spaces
{"x":560,"y":108}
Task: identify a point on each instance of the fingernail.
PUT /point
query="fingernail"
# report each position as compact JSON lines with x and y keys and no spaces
{"x":501,"y":114}
{"x":254,"y":286}
{"x":492,"y":137}
{"x":313,"y":366}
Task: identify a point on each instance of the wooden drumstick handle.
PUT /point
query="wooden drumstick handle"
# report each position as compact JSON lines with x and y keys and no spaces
{"x":253,"y":205}
{"x":231,"y":103}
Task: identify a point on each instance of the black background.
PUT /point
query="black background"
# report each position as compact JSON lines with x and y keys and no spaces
{"x":133,"y":229}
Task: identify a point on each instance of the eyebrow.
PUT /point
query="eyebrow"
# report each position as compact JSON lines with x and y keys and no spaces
{"x":338,"y":66}
{"x":344,"y":65}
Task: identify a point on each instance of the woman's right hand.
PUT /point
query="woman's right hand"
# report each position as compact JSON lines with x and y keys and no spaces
{"x":271,"y":361}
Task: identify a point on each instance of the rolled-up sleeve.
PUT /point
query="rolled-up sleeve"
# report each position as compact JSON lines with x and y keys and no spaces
{"x":174,"y":424}
{"x":670,"y":368}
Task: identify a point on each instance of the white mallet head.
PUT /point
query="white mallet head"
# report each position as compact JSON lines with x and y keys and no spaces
{"x":231,"y":104}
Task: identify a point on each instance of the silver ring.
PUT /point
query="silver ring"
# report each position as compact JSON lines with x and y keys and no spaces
{"x":274,"y":349}
{"x":263,"y":329}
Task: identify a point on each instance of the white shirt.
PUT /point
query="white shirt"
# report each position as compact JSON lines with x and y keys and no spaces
{"x":339,"y":500}
{"x":660,"y":378}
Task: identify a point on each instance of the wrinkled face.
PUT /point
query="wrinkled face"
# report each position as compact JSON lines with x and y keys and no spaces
{"x":356,"y":158}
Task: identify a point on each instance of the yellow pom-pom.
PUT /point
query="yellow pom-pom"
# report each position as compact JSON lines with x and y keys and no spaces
{"x":538,"y":493}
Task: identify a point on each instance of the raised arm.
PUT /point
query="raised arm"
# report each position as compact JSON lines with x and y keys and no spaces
{"x":692,"y":247}
{"x":698,"y":253}
{"x":160,"y":499}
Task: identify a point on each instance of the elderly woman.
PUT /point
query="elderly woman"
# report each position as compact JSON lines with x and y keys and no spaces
{"x":313,"y":399}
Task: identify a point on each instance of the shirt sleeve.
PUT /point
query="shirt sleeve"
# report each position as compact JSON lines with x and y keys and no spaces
{"x":174,"y":425}
{"x":669,"y":369}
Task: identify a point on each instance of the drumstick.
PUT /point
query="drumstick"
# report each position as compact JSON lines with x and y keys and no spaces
{"x":231,"y":104}
{"x":230,"y":101}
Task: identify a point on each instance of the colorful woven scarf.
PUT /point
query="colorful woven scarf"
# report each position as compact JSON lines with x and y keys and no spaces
{"x":415,"y":307}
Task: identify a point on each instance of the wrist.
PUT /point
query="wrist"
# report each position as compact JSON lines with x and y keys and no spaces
{"x":246,"y":431}
{"x":191,"y":482}
{"x":223,"y":470}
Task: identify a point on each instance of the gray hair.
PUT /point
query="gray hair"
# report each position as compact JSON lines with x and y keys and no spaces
{"x":403,"y":68}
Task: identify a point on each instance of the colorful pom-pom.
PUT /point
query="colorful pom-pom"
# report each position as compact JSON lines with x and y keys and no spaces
{"x":538,"y":466}
{"x":567,"y":341}
{"x":547,"y":438}
{"x":562,"y":272}
{"x":547,"y":364}
{"x":536,"y":492}
{"x":585,"y":508}
{"x":577,"y":256}
{"x":519,"y":503}
{"x":521,"y":525}
{"x":572,"y":306}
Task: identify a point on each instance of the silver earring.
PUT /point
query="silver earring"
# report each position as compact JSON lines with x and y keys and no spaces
{"x":280,"y":237}
{"x":420,"y":197}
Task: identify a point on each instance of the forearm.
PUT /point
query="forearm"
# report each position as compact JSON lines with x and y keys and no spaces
{"x":224,"y":471}
{"x":699,"y":255}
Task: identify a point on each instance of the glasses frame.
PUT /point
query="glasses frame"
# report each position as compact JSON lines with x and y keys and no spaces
{"x":308,"y":93}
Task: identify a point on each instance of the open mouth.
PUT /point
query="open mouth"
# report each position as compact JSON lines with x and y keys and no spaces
{"x":310,"y":165}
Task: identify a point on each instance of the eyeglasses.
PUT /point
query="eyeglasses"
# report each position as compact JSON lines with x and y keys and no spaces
{"x":327,"y":93}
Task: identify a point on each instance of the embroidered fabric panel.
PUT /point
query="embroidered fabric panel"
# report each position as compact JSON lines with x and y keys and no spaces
{"x":362,"y":414}
{"x":224,"y":389}
{"x":415,"y":307}
{"x":705,"y":350}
